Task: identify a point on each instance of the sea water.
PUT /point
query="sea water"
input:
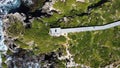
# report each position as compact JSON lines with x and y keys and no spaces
{"x":7,"y":5}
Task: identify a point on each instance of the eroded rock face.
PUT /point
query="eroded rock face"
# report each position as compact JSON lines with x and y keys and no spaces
{"x":20,"y":16}
{"x":13,"y":17}
{"x":48,"y":7}
{"x":26,"y":59}
{"x":27,"y":2}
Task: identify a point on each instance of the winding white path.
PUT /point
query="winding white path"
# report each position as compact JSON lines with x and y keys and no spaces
{"x":59,"y":31}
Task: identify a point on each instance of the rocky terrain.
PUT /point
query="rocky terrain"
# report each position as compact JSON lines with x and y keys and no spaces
{"x":30,"y":45}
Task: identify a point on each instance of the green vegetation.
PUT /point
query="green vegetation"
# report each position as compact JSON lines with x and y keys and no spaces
{"x":96,"y":49}
{"x":17,"y":29}
{"x":60,"y":64}
{"x":37,"y":38}
{"x":104,"y":14}
{"x":68,"y":8}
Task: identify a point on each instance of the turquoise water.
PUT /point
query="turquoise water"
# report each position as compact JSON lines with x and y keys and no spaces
{"x":7,"y":5}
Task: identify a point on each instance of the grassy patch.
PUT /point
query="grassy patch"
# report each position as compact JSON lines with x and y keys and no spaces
{"x":16,"y":29}
{"x":104,"y":14}
{"x":38,"y":34}
{"x":97,"y":48}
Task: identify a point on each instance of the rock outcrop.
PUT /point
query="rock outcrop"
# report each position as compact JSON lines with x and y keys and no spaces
{"x":48,"y":7}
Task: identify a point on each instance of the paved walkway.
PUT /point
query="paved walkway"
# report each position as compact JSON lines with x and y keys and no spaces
{"x":59,"y":31}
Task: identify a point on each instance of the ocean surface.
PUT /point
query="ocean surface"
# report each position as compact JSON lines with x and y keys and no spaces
{"x":7,"y":5}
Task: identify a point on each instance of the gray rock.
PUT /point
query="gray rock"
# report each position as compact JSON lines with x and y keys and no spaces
{"x":27,"y":2}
